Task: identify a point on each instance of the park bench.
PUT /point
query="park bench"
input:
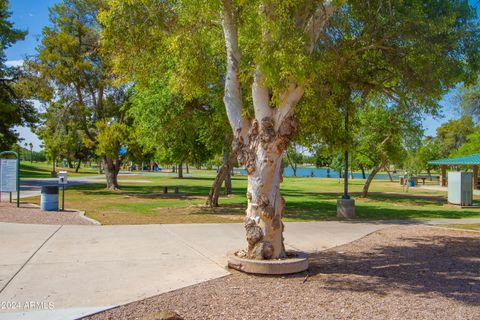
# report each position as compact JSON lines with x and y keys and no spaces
{"x":165,"y":189}
{"x":423,"y":178}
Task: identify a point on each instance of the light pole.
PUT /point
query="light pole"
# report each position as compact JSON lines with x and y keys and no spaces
{"x":345,"y":161}
{"x":345,"y":205}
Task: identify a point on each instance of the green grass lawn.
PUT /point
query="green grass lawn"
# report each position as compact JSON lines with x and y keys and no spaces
{"x":141,"y":201}
{"x":43,"y":170}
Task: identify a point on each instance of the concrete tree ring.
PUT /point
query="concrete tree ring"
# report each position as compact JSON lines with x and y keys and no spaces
{"x":295,"y":263}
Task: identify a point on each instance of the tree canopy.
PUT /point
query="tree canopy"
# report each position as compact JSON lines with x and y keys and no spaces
{"x":15,"y":110}
{"x":453,"y":133}
{"x":175,"y":129}
{"x":289,"y":65}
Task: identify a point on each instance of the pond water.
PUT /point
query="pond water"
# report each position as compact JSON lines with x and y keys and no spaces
{"x":323,"y":173}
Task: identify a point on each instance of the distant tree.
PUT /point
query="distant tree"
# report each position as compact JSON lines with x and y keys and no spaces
{"x":469,"y":97}
{"x":71,"y":72}
{"x":453,"y":133}
{"x":109,"y":142}
{"x":430,"y":149}
{"x":471,"y":145}
{"x":50,"y":132}
{"x":321,"y":156}
{"x":337,"y":164}
{"x":293,"y":157}
{"x":15,"y":110}
{"x":360,"y":161}
{"x":136,"y":151}
{"x":39,"y":156}
{"x":381,"y":135}
{"x":180,"y":131}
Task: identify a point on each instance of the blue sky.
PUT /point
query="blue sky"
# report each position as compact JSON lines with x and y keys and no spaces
{"x":32,"y":15}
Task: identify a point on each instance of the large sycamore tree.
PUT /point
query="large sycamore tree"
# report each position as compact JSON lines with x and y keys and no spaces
{"x":288,"y":61}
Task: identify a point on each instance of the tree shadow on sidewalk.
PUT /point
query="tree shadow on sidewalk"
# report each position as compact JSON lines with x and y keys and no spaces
{"x":448,"y":266}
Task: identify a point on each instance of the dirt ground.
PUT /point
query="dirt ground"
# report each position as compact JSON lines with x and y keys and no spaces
{"x":408,"y":272}
{"x":29,"y":213}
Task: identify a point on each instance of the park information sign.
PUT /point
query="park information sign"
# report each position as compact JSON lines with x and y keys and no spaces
{"x":8,"y":175}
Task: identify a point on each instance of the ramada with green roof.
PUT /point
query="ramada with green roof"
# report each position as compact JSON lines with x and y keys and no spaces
{"x":472,"y":160}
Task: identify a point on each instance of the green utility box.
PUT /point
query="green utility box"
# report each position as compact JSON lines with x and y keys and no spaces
{"x":460,"y":189}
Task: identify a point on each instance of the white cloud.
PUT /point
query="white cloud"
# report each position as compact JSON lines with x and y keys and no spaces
{"x":14,"y":63}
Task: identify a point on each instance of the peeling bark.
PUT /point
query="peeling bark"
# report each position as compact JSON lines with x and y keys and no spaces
{"x":262,"y":157}
{"x":260,"y":143}
{"x":233,"y":94}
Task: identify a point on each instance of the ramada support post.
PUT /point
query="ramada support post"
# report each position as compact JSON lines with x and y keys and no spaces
{"x":443,"y":175}
{"x":475,"y":176}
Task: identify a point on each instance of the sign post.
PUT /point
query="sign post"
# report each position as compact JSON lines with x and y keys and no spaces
{"x":62,"y":180}
{"x":10,"y":175}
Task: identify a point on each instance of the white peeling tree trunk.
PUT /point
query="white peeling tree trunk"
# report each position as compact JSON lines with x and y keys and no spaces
{"x":266,"y":206}
{"x":262,"y":153}
{"x":261,"y":142}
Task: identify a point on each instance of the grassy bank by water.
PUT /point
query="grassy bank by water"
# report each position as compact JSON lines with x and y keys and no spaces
{"x":43,"y":170}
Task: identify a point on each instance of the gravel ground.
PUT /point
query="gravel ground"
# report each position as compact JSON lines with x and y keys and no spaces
{"x":28,"y":213}
{"x":409,"y":272}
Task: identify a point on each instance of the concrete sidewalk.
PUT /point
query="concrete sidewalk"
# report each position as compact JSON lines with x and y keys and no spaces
{"x":64,"y":272}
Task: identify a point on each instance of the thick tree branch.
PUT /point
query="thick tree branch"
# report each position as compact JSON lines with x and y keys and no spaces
{"x":314,"y":28}
{"x":233,"y":95}
{"x":261,"y":97}
{"x":317,"y":22}
{"x":288,"y":100}
{"x":84,"y":124}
